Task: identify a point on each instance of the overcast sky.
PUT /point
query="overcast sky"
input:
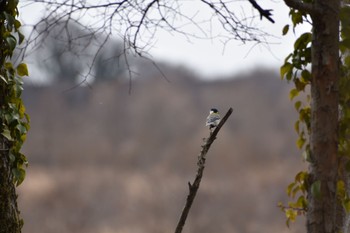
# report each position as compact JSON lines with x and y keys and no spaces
{"x":209,"y":57}
{"x":212,"y":58}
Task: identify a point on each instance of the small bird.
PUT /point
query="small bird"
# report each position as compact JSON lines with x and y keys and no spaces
{"x":213,"y":119}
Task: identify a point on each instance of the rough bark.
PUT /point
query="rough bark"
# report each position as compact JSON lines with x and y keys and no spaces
{"x":10,"y":221}
{"x":323,"y":206}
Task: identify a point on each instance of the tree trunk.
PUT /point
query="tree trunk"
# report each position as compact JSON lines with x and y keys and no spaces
{"x":322,"y":199}
{"x":10,"y":221}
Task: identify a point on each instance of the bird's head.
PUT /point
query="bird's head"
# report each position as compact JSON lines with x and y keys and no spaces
{"x":213,"y":110}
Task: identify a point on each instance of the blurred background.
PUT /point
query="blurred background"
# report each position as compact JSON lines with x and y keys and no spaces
{"x":115,"y":154}
{"x":104,"y":160}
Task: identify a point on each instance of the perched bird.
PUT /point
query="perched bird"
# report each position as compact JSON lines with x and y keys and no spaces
{"x":213,"y":119}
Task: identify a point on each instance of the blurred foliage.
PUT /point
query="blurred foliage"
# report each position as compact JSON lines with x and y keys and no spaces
{"x":63,"y":50}
{"x":344,"y":102}
{"x":296,"y":69}
{"x":69,"y":52}
{"x":110,"y":62}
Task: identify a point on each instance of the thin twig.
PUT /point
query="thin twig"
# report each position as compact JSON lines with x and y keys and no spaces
{"x":193,"y":188}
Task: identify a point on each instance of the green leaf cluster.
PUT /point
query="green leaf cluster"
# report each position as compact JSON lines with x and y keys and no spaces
{"x":343,"y":195}
{"x":344,"y":102}
{"x":13,"y":116}
{"x":296,"y":69}
{"x":298,"y":189}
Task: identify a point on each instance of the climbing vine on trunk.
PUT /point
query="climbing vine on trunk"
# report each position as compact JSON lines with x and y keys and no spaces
{"x":307,"y":187}
{"x":15,"y":121}
{"x":296,"y":69}
{"x":13,"y":118}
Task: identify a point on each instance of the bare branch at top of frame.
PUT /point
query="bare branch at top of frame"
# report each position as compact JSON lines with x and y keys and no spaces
{"x":263,"y":12}
{"x":138,"y":22}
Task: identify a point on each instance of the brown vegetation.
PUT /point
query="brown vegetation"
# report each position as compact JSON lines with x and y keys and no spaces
{"x":104,"y":161}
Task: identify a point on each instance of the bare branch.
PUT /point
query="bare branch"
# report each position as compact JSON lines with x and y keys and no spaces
{"x":263,"y":13}
{"x":231,"y":23}
{"x":193,"y":188}
{"x":144,"y":14}
{"x":132,"y":19}
{"x":138,"y":22}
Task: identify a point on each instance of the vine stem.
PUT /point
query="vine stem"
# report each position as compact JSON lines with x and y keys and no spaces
{"x":193,"y":188}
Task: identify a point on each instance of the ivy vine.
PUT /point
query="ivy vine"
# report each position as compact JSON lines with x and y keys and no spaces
{"x":296,"y":69}
{"x":344,"y":104}
{"x":14,"y":119}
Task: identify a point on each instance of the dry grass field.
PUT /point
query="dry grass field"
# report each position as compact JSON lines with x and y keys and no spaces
{"x":106,"y":161}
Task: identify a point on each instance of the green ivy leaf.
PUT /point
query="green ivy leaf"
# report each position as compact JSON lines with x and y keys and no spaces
{"x":12,"y":157}
{"x":11,"y":42}
{"x":301,"y":176}
{"x":306,"y":75}
{"x":297,"y":17}
{"x":22,"y":70}
{"x":3,"y":79}
{"x":347,"y":61}
{"x":10,"y":21}
{"x":8,"y":66}
{"x":290,"y":188}
{"x":12,"y":4}
{"x":17,"y":24}
{"x":285,"y":69}
{"x":316,"y":189}
{"x":304,"y":115}
{"x":293,"y":93}
{"x":345,"y":31}
{"x":297,"y":105}
{"x":346,"y":204}
{"x":299,"y":84}
{"x":27,"y":118}
{"x":345,"y":43}
{"x":303,"y":40}
{"x":7,"y":134}
{"x":21,"y":109}
{"x":297,"y":126}
{"x":301,"y":202}
{"x":291,"y":215}
{"x":20,"y":37}
{"x":300,"y":142}
{"x":21,"y":128}
{"x":285,"y":29}
{"x":344,"y":14}
{"x":341,"y":190}
{"x":19,"y":175}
